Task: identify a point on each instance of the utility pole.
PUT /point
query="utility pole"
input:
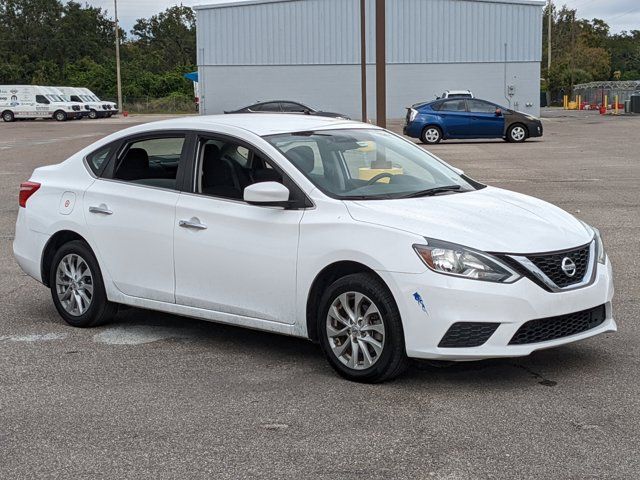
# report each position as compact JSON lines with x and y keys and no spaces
{"x":549,"y":15}
{"x":118,"y":78}
{"x":381,"y":65}
{"x":363,"y":57}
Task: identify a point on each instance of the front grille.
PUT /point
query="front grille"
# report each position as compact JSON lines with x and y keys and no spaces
{"x":87,"y":107}
{"x":551,"y":265}
{"x":550,"y":328}
{"x":467,"y":334}
{"x":75,"y":107}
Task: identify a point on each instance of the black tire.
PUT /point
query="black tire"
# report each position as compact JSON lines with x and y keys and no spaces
{"x":431,"y":135}
{"x":392,"y":361}
{"x":60,"y":116}
{"x":100,"y":310}
{"x":517,"y":133}
{"x":93,"y":114}
{"x":8,"y":116}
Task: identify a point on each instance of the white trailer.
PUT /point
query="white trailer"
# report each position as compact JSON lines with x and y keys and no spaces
{"x":33,"y":101}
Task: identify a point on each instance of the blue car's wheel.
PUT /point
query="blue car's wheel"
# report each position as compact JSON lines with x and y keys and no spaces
{"x":431,"y":134}
{"x":517,"y":133}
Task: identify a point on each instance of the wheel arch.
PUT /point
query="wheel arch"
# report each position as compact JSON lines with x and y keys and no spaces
{"x":53,"y":244}
{"x":323,"y":279}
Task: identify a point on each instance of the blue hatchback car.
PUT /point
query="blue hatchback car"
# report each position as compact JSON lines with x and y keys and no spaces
{"x":468,"y":118}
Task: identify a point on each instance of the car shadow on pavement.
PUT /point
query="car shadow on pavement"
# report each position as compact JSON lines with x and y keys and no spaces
{"x":546,"y":367}
{"x":139,"y":327}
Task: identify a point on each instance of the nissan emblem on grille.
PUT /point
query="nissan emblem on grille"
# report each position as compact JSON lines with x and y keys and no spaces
{"x":568,"y":267}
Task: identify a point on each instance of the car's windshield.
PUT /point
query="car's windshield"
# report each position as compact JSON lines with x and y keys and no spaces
{"x":367,"y":164}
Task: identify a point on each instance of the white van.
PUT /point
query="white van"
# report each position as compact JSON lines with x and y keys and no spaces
{"x":110,"y":107}
{"x":33,"y":101}
{"x":91,"y":103}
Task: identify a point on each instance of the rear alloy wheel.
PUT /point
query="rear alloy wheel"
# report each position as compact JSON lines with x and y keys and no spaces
{"x":93,"y":114}
{"x":60,"y":116}
{"x":8,"y":116}
{"x":431,"y":135}
{"x":360,"y":329}
{"x":517,"y":133}
{"x":77,"y":288}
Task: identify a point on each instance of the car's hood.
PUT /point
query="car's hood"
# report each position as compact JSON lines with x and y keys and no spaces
{"x":490,"y":219}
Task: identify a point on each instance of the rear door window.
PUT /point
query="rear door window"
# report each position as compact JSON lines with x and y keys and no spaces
{"x":292,"y":107}
{"x":267,"y":107}
{"x":457,"y":105}
{"x":480,"y":106}
{"x":152,"y":162}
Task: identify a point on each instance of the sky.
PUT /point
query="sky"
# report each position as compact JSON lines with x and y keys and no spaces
{"x":619,"y":14}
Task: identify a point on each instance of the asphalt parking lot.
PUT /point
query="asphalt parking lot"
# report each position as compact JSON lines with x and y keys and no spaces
{"x":157,"y":396}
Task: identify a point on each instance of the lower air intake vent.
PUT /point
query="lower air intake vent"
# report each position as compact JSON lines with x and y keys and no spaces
{"x":467,"y":334}
{"x":551,"y":328}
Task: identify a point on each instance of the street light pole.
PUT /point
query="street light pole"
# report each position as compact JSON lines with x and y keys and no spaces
{"x":118,"y":78}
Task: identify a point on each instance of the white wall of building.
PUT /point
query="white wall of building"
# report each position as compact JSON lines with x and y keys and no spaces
{"x":336,"y":88}
{"x":309,"y":50}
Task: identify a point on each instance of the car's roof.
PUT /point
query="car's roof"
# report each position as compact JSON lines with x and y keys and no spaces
{"x":259,"y":123}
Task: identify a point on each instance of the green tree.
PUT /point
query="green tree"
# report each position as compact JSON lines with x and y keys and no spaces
{"x":580,"y":50}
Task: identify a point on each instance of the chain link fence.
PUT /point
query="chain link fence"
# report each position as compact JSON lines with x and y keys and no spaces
{"x":594,"y":92}
{"x":171,"y":104}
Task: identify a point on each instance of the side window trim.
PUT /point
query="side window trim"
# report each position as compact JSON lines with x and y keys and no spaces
{"x":113,"y":148}
{"x":202,"y":136}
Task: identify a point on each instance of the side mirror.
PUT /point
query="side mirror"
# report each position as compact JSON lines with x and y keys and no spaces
{"x":267,"y":194}
{"x":498,"y":112}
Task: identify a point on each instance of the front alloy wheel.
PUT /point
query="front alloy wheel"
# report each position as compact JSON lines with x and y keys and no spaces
{"x":360,"y":329}
{"x":517,"y":134}
{"x":93,"y":114}
{"x":60,"y":116}
{"x":355,"y":330}
{"x":8,"y":116}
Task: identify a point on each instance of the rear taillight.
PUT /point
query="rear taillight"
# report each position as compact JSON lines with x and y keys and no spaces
{"x":26,"y":190}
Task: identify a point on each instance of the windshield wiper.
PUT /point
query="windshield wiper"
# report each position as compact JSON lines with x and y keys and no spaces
{"x":433,"y":191}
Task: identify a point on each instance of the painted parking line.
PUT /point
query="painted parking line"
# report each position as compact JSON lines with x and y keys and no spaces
{"x":33,"y":337}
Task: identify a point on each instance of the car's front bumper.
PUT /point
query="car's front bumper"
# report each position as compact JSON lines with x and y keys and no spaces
{"x":448,"y":300}
{"x":535,"y":129}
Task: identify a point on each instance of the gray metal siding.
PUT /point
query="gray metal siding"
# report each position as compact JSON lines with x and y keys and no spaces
{"x":336,"y":88}
{"x":327,"y":32}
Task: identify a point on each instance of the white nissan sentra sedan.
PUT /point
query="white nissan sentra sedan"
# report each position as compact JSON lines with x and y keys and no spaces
{"x":332,"y":230}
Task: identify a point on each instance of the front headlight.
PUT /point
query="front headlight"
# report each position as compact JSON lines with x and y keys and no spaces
{"x":601,"y":255}
{"x":451,"y":259}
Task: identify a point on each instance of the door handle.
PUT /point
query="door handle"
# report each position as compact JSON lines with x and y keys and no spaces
{"x":193,"y":223}
{"x":102,"y":209}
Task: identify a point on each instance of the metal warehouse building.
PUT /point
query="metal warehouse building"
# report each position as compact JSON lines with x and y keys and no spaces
{"x":309,"y":51}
